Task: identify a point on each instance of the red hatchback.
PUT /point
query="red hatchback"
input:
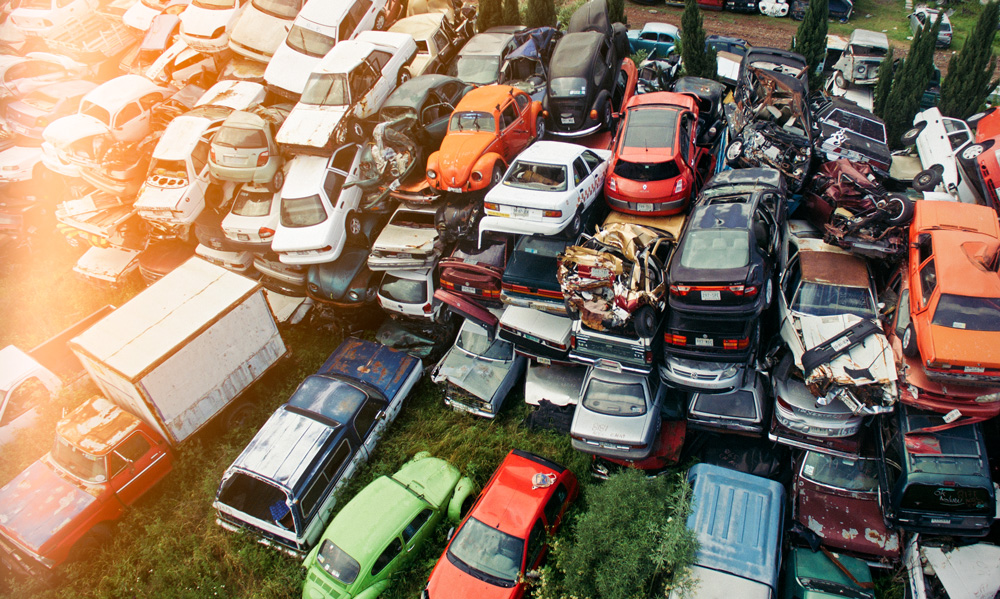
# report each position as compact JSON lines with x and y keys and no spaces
{"x":506,"y":534}
{"x":656,"y":167}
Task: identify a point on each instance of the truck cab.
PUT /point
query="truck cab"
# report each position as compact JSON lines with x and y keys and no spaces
{"x":61,"y":507}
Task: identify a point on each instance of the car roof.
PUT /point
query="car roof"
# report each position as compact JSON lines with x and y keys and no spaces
{"x":323,"y":12}
{"x":182,"y":135}
{"x":551,"y":152}
{"x":489,"y":43}
{"x":121,"y":90}
{"x":574,"y":54}
{"x":661,"y":27}
{"x":509,"y":503}
{"x":345,"y":56}
{"x":721,"y":215}
{"x":486,"y":98}
{"x":419,"y":26}
{"x":834,"y":268}
{"x":965,"y":249}
{"x":372,"y":517}
{"x":96,"y":426}
{"x":305,"y":175}
{"x":870,"y":38}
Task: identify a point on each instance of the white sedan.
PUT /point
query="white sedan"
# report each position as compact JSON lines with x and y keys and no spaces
{"x":546,"y":190}
{"x":939,"y":140}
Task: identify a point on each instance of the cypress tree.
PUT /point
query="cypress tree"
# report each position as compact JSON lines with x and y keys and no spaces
{"x":810,"y":38}
{"x":698,"y":60}
{"x":541,"y":13}
{"x":884,"y":84}
{"x":909,"y":84}
{"x":511,"y":13}
{"x":970,"y":71}
{"x":490,"y":14}
{"x":616,"y":11}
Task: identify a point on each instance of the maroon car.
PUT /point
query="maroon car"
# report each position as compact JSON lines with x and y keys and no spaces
{"x":837,"y":498}
{"x":475,"y":272}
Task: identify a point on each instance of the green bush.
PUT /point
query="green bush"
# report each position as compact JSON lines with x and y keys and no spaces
{"x":566,"y":12}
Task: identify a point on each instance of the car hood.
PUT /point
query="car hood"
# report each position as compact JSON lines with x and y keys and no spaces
{"x":432,"y":478}
{"x":20,"y":157}
{"x":151,"y":197}
{"x":448,"y":581}
{"x":39,"y":504}
{"x":260,"y":31}
{"x":459,"y":153}
{"x":848,"y":521}
{"x":962,"y":347}
{"x":289,"y":69}
{"x":478,"y":376}
{"x":419,"y":63}
{"x":335,"y":279}
{"x":616,"y":429}
{"x":62,"y":132}
{"x":412,"y":240}
{"x":309,"y":125}
{"x":200,"y":21}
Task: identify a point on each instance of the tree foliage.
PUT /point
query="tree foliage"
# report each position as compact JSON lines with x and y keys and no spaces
{"x":810,"y":38}
{"x":616,"y":11}
{"x":631,"y":538}
{"x":511,"y":12}
{"x":884,"y":84}
{"x":698,"y":60}
{"x":909,"y":82}
{"x":970,"y":72}
{"x":540,"y":13}
{"x":490,"y":14}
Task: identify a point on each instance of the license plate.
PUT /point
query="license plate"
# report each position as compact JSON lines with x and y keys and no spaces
{"x":403,"y":256}
{"x":394,"y":185}
{"x":567,"y":120}
{"x":940,"y":521}
{"x":467,"y":289}
{"x":242,"y":237}
{"x":644,"y":207}
{"x":518,"y":212}
{"x":455,"y":189}
{"x":19,"y":128}
{"x":532,"y":338}
{"x":711,"y":296}
{"x":544,"y":361}
{"x":702,"y":342}
{"x":599,"y":273}
{"x":975,"y":369}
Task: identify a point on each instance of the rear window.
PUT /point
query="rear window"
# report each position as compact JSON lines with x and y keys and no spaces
{"x":818,"y":299}
{"x":869,"y":128}
{"x":842,"y":473}
{"x":252,"y":203}
{"x":257,"y":499}
{"x":404,"y":291}
{"x":541,"y":246}
{"x":739,"y":405}
{"x":237,"y":137}
{"x":614,"y":399}
{"x":337,"y":563}
{"x":972,"y":313}
{"x":472,"y":121}
{"x":647,"y":171}
{"x":568,"y":87}
{"x":533,"y":175}
{"x":651,"y":128}
{"x":716,"y":249}
{"x":945,"y":499}
{"x":302,"y":212}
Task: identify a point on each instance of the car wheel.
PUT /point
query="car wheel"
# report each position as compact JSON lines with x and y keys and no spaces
{"x":380,"y":22}
{"x":539,"y":127}
{"x":909,"y":342}
{"x":357,"y":131}
{"x":768,"y":294}
{"x":404,"y":76}
{"x":572,"y":312}
{"x":575,"y":225}
{"x":910,"y":137}
{"x":277,"y":181}
{"x":644,"y":320}
{"x":98,"y":537}
{"x":972,"y":152}
{"x":839,"y":81}
{"x":238,"y":416}
{"x":497,"y":175}
{"x":973,"y":121}
{"x":734,"y":151}
{"x":606,"y":115}
{"x":899,"y":208}
{"x":355,"y":234}
{"x":927,"y":179}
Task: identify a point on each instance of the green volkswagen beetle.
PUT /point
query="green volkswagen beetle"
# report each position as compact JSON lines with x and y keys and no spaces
{"x":379,"y":529}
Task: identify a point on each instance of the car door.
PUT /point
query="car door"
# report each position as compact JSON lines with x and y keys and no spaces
{"x":386,"y":82}
{"x":534,"y":549}
{"x":199,"y":164}
{"x":434,"y":116}
{"x":417,"y":530}
{"x":130,"y":123}
{"x":515,"y":135}
{"x":340,"y":170}
{"x":583,"y":181}
{"x":135,"y":465}
{"x":598,"y":171}
{"x":370,"y":422}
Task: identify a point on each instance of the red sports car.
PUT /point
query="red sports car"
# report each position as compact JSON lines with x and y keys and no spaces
{"x":657,"y":167}
{"x":506,"y":533}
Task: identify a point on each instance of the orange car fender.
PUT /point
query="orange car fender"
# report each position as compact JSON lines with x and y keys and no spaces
{"x":484,"y":166}
{"x":432,"y":165}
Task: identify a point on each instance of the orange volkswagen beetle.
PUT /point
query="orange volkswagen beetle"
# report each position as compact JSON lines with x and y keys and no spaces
{"x":489,"y":127}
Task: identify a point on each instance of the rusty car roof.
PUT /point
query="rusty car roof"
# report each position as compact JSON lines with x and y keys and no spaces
{"x":96,"y":426}
{"x":834,"y":268}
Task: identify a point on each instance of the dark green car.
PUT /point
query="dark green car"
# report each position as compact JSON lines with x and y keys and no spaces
{"x":381,"y":527}
{"x":814,"y":575}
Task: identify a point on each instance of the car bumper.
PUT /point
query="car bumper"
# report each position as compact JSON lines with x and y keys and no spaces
{"x":699,"y":381}
{"x":578,"y":133}
{"x":650,"y":208}
{"x":259,"y":175}
{"x":295,"y":259}
{"x":610,"y":449}
{"x":207,"y":46}
{"x":392,"y":263}
{"x":52,"y":160}
{"x":251,"y":53}
{"x":516,"y":226}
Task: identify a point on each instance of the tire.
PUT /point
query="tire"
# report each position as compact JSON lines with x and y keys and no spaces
{"x":379,"y":22}
{"x":576,"y":225}
{"x":973,"y":121}
{"x":277,"y":181}
{"x":238,"y":415}
{"x":404,"y":76}
{"x":909,"y":342}
{"x":354,"y":229}
{"x":644,"y":320}
{"x":927,"y":180}
{"x":768,"y":294}
{"x":357,"y":131}
{"x":607,"y":114}
{"x":539,"y":127}
{"x":910,"y":136}
{"x":572,"y":312}
{"x":99,"y":537}
{"x":497,"y":175}
{"x":900,"y":209}
{"x":972,"y":152}
{"x":734,"y":151}
{"x":839,"y":81}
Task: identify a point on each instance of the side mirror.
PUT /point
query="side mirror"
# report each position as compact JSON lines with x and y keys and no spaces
{"x":533,"y":575}
{"x":451,"y":532}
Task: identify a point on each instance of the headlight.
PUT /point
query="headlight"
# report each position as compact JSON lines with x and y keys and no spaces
{"x":477,"y":176}
{"x":431,"y":174}
{"x":989,"y":398}
{"x":353,"y":296}
{"x":731,"y":371}
{"x":313,"y":288}
{"x":487,"y":407}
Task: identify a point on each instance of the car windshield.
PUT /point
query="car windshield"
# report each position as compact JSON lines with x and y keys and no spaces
{"x":478,"y":70}
{"x":651,"y":127}
{"x":214,"y":4}
{"x":283,"y":9}
{"x":945,"y":27}
{"x":971,"y":313}
{"x":873,"y":51}
{"x":238,"y":137}
{"x":568,"y":87}
{"x":472,"y":121}
{"x":80,"y":464}
{"x":404,"y":291}
{"x":302,"y":212}
{"x":337,"y":563}
{"x":818,"y":299}
{"x":175,"y":169}
{"x":534,"y":175}
{"x":326,"y":89}
{"x":739,"y":405}
{"x":871,"y":129}
{"x":614,"y":399}
{"x":946,"y":498}
{"x":98,"y":112}
{"x":41,"y":100}
{"x":716,"y":249}
{"x":647,"y":171}
{"x":309,"y":42}
{"x":474,"y":341}
{"x":541,"y":246}
{"x":333,"y":398}
{"x":252,"y":202}
{"x":487,"y":550}
{"x":842,"y":473}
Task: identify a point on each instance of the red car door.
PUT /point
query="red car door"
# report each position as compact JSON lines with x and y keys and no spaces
{"x":136,"y":465}
{"x":515,"y":135}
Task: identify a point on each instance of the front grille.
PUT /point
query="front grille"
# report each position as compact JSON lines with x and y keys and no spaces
{"x":604,"y":349}
{"x":458,"y":395}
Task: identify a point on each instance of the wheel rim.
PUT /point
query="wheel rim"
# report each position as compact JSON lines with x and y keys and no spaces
{"x":923,"y":180}
{"x":894,"y":208}
{"x":906,"y":337}
{"x":497,"y":175}
{"x":539,"y":127}
{"x":356,"y":226}
{"x":607,"y":115}
{"x":380,"y":21}
{"x":279,"y":180}
{"x":768,"y":292}
{"x":972,"y":152}
{"x":358,"y":130}
{"x":734,"y":150}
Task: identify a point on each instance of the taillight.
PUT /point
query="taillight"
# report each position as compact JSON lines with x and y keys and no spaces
{"x":680,"y":289}
{"x":428,"y":308}
{"x":491,"y":293}
{"x":491,"y":206}
{"x":559,"y":346}
{"x":675,"y":339}
{"x":679,"y":186}
{"x":552,"y":213}
{"x":736,"y":343}
{"x":448,"y":285}
{"x":648,"y":357}
{"x":211,"y":155}
{"x":611,"y":184}
{"x":41,"y":121}
{"x":265,"y":233}
{"x":745,"y":290}
{"x":262,"y":158}
{"x":572,"y":341}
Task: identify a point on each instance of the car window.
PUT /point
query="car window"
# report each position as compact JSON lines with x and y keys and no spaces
{"x":592,"y":159}
{"x":648,"y":35}
{"x":450,"y":90}
{"x":440,"y":40}
{"x":928,"y":282}
{"x":325,"y":478}
{"x":536,"y":542}
{"x":522,"y":102}
{"x":555,"y":503}
{"x":333,"y":184}
{"x":416,"y":524}
{"x":343,"y":158}
{"x":363,"y":79}
{"x":28,"y":394}
{"x":150,"y":100}
{"x":360,"y":9}
{"x":390,"y":553}
{"x":378,"y":59}
{"x":366,"y":417}
{"x":579,"y":171}
{"x":127,"y":114}
{"x":199,"y":157}
{"x":902,"y":312}
{"x":794,"y":274}
{"x":435,"y":112}
{"x":600,"y":67}
{"x":508,"y":116}
{"x":131,"y":450}
{"x":347,"y":27}
{"x":666,"y":38}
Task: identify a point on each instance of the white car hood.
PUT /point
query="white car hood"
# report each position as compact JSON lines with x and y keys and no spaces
{"x":289,"y":69}
{"x":260,"y":31}
{"x":68,"y":129}
{"x":309,"y":125}
{"x":204,"y":22}
{"x":406,"y":239}
{"x":19,"y":158}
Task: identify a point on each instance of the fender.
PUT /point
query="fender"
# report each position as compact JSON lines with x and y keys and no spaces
{"x":463,"y":490}
{"x":432,"y":165}
{"x":484,"y":166}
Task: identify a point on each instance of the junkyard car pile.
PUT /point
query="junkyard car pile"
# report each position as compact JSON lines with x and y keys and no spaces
{"x":526,"y":211}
